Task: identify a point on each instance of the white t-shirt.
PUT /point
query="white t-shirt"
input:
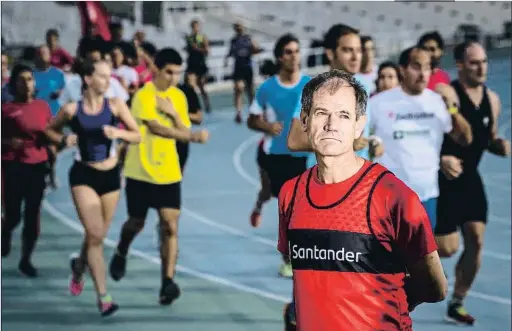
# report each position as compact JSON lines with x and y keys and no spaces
{"x":412,"y":129}
{"x":130,"y":75}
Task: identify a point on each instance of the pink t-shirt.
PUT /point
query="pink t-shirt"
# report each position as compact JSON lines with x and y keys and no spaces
{"x":438,"y":76}
{"x":144,"y":74}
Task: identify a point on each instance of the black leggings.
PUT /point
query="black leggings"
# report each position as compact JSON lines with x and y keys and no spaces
{"x":23,"y":184}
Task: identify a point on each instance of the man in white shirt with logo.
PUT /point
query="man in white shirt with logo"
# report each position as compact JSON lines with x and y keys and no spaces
{"x":411,"y":121}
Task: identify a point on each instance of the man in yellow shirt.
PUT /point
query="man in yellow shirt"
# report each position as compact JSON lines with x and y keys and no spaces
{"x":152,"y":168}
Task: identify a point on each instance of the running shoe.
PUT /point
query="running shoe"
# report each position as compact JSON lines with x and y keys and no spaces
{"x":286,"y":270}
{"x":107,"y":306}
{"x":238,"y":118}
{"x":169,"y":292}
{"x":457,"y":314}
{"x":27,"y":269}
{"x":290,"y":323}
{"x":76,"y":284}
{"x":117,"y":266}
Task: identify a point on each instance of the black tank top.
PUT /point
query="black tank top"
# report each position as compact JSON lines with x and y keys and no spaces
{"x":481,"y":121}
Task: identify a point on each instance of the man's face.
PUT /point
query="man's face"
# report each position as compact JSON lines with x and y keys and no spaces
{"x":417,"y":73}
{"x":170,"y":74}
{"x":25,"y":84}
{"x":347,"y":55}
{"x":435,"y":51}
{"x":368,"y":53}
{"x":53,"y":41}
{"x":332,"y":125}
{"x":195,"y":28}
{"x":290,"y":60}
{"x":474,"y":67}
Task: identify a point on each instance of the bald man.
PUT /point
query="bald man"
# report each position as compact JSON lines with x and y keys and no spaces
{"x":462,"y":202}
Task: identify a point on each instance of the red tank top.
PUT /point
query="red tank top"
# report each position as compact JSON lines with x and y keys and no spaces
{"x":347,"y":274}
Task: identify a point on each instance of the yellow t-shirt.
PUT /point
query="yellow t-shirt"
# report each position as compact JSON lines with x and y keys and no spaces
{"x":155,"y":159}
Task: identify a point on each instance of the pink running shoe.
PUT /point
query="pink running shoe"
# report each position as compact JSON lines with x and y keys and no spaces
{"x":76,"y":284}
{"x":107,"y":306}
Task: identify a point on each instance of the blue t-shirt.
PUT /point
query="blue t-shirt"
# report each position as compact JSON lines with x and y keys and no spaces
{"x":277,"y":102}
{"x":364,"y":153}
{"x":47,"y":83}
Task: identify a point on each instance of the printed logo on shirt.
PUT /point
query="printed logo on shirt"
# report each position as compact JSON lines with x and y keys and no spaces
{"x":401,"y":134}
{"x":413,"y":116}
{"x":486,"y":120}
{"x":329,"y":250}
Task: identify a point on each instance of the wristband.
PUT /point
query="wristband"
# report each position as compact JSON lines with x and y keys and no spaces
{"x":453,"y":110}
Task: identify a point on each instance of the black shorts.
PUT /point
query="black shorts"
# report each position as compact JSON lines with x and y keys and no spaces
{"x":281,"y":168}
{"x":200,"y":70}
{"x":140,"y":196}
{"x":244,"y":73}
{"x":261,"y":156}
{"x":182,"y":149}
{"x":102,"y":182}
{"x":460,"y":200}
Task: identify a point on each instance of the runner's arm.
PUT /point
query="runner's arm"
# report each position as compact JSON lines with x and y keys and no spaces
{"x":497,"y":145}
{"x":131,"y":134}
{"x":180,"y":134}
{"x":415,"y":241}
{"x":206,"y":46}
{"x":298,"y":140}
{"x":54,"y":129}
{"x":256,"y":121}
{"x":459,"y":130}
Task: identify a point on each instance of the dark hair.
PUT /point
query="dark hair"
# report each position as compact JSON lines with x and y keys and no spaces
{"x":114,"y":26}
{"x":405,"y":56}
{"x":282,"y":42}
{"x":336,"y":32}
{"x":459,"y":52}
{"x":194,"y":22}
{"x":52,"y":33}
{"x":87,"y":68}
{"x":432,"y":35}
{"x":29,"y":54}
{"x":167,"y":56}
{"x":89,"y":45}
{"x":149,"y":48}
{"x":268,"y":68}
{"x":388,"y":64}
{"x":17,"y":70}
{"x":334,"y":79}
{"x":365,"y":39}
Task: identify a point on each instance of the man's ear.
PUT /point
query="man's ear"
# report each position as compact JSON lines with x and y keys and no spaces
{"x":304,"y":121}
{"x":330,"y":55}
{"x":360,"y":125}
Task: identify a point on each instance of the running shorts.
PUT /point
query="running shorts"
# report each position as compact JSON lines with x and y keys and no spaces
{"x":243,"y":73}
{"x":460,"y":200}
{"x":261,"y":155}
{"x":281,"y":168}
{"x":141,"y":196}
{"x":101,"y":181}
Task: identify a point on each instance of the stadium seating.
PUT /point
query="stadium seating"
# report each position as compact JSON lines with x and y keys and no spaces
{"x":394,"y":25}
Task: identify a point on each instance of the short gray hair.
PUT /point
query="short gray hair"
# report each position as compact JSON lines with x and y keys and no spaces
{"x":333,"y":80}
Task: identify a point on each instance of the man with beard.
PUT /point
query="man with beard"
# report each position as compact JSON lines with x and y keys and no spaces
{"x":434,"y":43}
